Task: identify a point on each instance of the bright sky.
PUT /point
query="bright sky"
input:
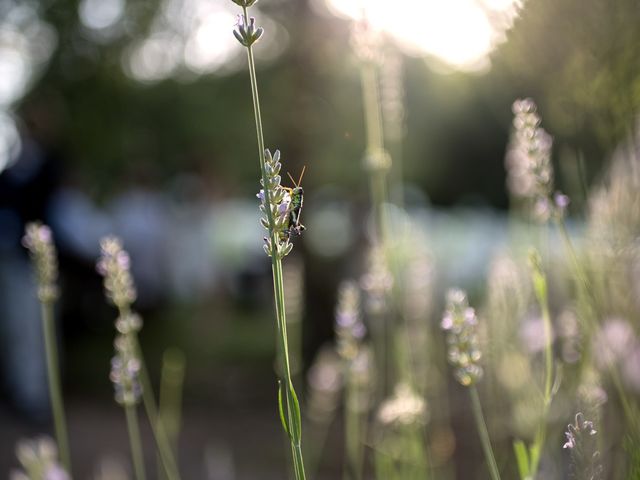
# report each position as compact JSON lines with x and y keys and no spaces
{"x":459,"y":32}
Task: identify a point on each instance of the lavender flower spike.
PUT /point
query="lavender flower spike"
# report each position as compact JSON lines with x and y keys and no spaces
{"x":39,"y":240}
{"x":278,"y":209}
{"x":460,"y":322}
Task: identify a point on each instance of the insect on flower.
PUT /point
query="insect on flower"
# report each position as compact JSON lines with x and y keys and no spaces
{"x":295,"y":210}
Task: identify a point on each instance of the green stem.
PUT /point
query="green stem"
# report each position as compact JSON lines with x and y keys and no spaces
{"x":170,"y":401}
{"x":353,"y":424}
{"x":543,"y":301}
{"x":375,"y":146}
{"x":134,"y":440}
{"x":292,"y":407}
{"x":293,"y":414}
{"x":484,"y":433}
{"x":55,"y":391}
{"x":157,"y":426}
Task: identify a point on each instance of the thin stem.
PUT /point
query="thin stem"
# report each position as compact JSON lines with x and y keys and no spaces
{"x":353,"y":430}
{"x":292,"y":412}
{"x":484,"y":433}
{"x":292,"y":415}
{"x":170,"y":401}
{"x":157,"y":426}
{"x":543,"y":301}
{"x":375,"y":146}
{"x":134,"y":440}
{"x":55,"y":391}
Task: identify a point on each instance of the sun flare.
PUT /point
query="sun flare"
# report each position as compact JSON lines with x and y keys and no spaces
{"x":460,"y":32}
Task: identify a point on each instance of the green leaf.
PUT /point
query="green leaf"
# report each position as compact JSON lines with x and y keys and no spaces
{"x":283,"y":417}
{"x":522,"y":458}
{"x":295,"y":414}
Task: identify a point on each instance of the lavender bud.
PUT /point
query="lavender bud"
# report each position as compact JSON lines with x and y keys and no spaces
{"x":39,"y":240}
{"x":247,"y":33}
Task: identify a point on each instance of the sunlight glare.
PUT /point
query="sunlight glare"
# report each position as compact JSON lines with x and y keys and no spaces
{"x":458,"y":32}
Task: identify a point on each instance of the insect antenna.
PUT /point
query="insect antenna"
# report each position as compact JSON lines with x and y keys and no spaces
{"x":301,"y":175}
{"x":297,"y":184}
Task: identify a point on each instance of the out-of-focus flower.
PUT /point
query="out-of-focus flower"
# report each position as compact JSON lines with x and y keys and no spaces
{"x":392,"y":96}
{"x":528,"y":162}
{"x":366,"y":41}
{"x":114,"y":265}
{"x":461,"y":324}
{"x":532,"y":334}
{"x":350,"y":330}
{"x":613,"y":342}
{"x":377,"y":282}
{"x":405,"y":407}
{"x":39,"y":460}
{"x":591,"y":395}
{"x":569,"y":333}
{"x":325,"y":382}
{"x":361,"y":379}
{"x":39,"y":240}
{"x":125,"y":370}
{"x":631,"y":369}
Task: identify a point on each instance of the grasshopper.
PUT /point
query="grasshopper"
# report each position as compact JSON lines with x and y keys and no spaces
{"x":295,"y":210}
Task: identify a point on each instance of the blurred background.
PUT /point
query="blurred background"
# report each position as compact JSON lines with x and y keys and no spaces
{"x":134,"y":118}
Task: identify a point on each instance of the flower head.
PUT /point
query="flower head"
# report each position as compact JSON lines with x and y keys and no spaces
{"x":405,"y":407}
{"x":39,"y":460}
{"x":246,"y":32}
{"x":528,"y":162}
{"x":275,"y":206}
{"x":39,"y":240}
{"x":114,"y":265}
{"x":461,"y":324}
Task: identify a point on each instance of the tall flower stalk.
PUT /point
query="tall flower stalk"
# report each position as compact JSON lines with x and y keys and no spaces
{"x":377,"y":160}
{"x":128,"y":370}
{"x":461,"y":324}
{"x":39,"y":240}
{"x":277,"y":207}
{"x":350,"y":333}
{"x":531,"y":177}
{"x":529,"y":458}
